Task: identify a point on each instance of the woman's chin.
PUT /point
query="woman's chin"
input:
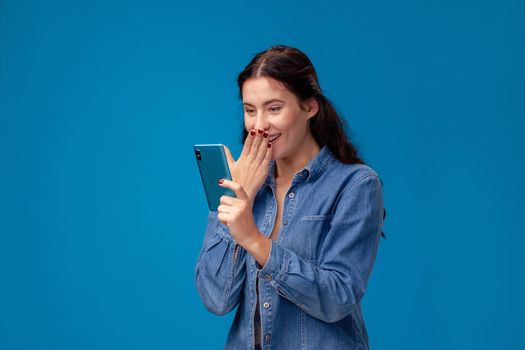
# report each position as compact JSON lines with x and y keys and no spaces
{"x":275,"y":153}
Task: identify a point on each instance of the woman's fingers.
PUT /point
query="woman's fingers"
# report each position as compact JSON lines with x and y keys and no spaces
{"x":267,"y":156}
{"x":224,"y":209}
{"x":229,"y":157}
{"x":252,"y":166}
{"x":235,"y":187}
{"x":248,"y":143}
{"x":256,"y":143}
{"x":263,"y":149}
{"x":224,"y":218}
{"x":228,"y":200}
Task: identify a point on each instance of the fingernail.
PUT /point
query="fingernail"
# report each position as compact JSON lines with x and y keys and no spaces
{"x":269,"y":145}
{"x":252,"y":132}
{"x":260,"y":131}
{"x":220,"y":181}
{"x":265,"y":134}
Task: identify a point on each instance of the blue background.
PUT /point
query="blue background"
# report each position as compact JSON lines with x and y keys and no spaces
{"x":102,"y":209}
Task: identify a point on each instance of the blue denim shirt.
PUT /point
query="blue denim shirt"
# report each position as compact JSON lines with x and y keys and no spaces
{"x":310,"y":289}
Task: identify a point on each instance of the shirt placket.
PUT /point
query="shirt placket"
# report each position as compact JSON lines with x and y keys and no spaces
{"x":264,"y":314}
{"x":269,"y":222}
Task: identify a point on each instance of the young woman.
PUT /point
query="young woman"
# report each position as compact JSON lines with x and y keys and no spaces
{"x":295,"y":248}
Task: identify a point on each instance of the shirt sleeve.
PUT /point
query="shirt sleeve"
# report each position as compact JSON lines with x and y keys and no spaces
{"x":329,"y":289}
{"x":220,"y":270}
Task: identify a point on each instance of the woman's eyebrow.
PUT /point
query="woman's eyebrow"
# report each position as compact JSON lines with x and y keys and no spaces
{"x":267,"y":102}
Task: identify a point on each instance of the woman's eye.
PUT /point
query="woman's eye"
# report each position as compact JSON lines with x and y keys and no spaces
{"x":275,"y":109}
{"x":249,"y":110}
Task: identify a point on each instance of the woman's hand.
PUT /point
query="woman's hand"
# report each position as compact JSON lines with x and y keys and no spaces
{"x":251,"y":169}
{"x":236,"y":213}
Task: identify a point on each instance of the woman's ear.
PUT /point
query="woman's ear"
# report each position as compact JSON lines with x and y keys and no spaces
{"x":312,"y":107}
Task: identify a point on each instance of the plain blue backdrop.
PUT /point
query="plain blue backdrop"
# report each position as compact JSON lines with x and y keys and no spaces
{"x":101,"y":205}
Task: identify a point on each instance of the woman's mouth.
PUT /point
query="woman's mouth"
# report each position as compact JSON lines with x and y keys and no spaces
{"x":274,"y":137}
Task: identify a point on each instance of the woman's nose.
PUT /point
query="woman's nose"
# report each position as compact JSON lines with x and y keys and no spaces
{"x":261,"y":123}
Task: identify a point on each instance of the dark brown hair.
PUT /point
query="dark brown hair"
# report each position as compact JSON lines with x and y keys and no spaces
{"x":294,"y":69}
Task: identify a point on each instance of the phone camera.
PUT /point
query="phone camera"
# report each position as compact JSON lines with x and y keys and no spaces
{"x":198,"y":154}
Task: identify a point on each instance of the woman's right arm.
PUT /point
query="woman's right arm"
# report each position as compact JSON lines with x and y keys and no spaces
{"x":220,"y":270}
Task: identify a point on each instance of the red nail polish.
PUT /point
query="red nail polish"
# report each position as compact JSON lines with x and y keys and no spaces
{"x":265,"y":134}
{"x":260,"y":131}
{"x":269,"y":145}
{"x":252,"y":132}
{"x":220,"y":181}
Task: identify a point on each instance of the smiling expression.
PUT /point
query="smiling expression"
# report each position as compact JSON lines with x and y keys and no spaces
{"x":270,"y":106}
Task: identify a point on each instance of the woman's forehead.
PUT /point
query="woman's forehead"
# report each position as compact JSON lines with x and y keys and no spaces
{"x":263,"y":88}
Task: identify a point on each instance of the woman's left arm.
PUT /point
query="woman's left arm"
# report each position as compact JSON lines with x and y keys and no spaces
{"x":330,"y":289}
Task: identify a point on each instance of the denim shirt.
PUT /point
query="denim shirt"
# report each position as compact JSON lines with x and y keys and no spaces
{"x":310,"y":288}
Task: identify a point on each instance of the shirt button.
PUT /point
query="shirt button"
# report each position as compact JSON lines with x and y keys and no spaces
{"x":266,"y":305}
{"x":268,"y":277}
{"x":285,"y":222}
{"x":291,"y":195}
{"x":268,"y":337}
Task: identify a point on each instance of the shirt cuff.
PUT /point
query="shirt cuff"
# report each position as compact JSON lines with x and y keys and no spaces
{"x":224,"y":232}
{"x":274,"y":268}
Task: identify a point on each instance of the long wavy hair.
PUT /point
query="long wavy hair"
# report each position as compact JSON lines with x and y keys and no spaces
{"x":294,"y":69}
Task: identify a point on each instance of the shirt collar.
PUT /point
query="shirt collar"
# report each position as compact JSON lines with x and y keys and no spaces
{"x":315,"y":167}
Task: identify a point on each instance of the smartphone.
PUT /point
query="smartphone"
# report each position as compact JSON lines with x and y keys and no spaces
{"x":213,"y":166}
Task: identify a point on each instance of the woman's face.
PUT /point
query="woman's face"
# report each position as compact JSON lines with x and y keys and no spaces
{"x":270,"y":106}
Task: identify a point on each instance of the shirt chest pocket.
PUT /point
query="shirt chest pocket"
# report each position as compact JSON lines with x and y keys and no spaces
{"x":306,"y":235}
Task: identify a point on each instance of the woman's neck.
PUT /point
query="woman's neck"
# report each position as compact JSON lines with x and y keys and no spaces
{"x":287,"y":167}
